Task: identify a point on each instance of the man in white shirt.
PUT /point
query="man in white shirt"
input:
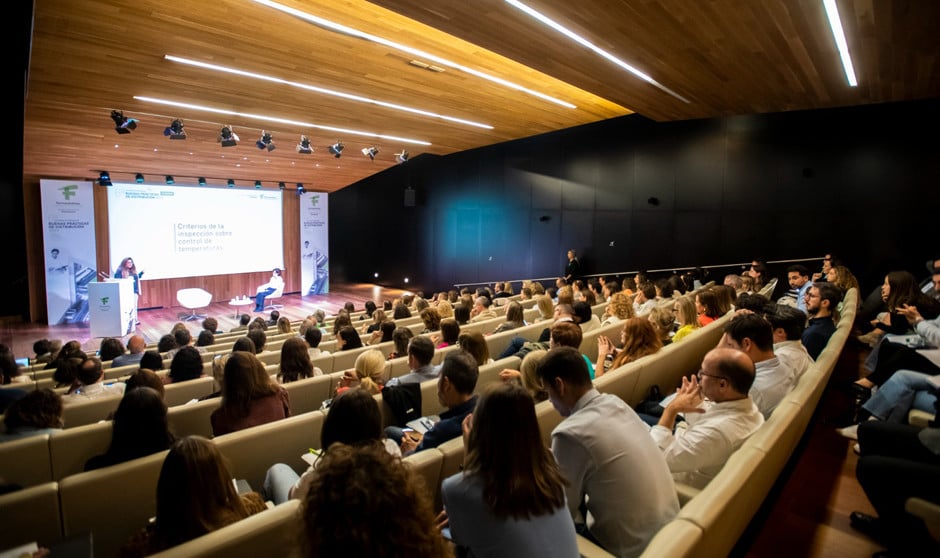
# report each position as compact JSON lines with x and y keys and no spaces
{"x":645,"y":299}
{"x":313,"y":336}
{"x":719,"y":417}
{"x":420,"y":354}
{"x":788,"y":324}
{"x":753,"y":335}
{"x":612,"y":466}
{"x":275,"y":283}
{"x":91,"y":377}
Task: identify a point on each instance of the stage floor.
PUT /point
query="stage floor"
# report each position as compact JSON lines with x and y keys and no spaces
{"x":157,"y":322}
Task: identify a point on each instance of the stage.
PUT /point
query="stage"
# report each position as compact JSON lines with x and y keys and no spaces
{"x":156,"y":322}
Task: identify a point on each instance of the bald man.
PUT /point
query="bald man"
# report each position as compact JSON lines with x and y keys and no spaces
{"x":719,"y":417}
{"x":135,"y":348}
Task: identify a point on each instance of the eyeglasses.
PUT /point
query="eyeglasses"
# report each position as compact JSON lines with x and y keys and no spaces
{"x":701,"y":373}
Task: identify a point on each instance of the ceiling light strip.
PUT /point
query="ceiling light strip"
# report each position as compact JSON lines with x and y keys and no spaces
{"x":597,"y":50}
{"x":835,"y":23}
{"x":278,"y":120}
{"x":314,"y":88}
{"x":398,"y":46}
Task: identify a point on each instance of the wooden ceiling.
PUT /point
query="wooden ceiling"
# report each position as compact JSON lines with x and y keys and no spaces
{"x":712,"y":58}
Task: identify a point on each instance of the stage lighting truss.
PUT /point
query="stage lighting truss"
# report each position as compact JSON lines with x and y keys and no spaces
{"x":337,"y":149}
{"x":266,"y":141}
{"x":175,"y":130}
{"x":370,"y":152}
{"x":104,"y":178}
{"x":122,"y":124}
{"x":228,"y":137}
{"x":304,"y":146}
{"x":401,"y":157}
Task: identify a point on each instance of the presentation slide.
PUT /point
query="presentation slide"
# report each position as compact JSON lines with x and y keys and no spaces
{"x":190,"y":231}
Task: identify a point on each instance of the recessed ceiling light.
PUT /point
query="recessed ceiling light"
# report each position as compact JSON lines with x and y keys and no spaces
{"x":835,"y":23}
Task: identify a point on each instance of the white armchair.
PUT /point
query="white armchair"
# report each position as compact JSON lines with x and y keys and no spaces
{"x":192,"y":299}
{"x":278,"y":293}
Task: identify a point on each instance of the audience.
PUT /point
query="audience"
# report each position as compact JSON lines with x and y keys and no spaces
{"x":788,"y":324}
{"x":527,"y":375}
{"x":295,"y":361}
{"x":249,"y":396}
{"x":420,"y":354}
{"x":707,"y":306}
{"x":37,"y":412}
{"x":514,"y":318}
{"x":664,"y":322}
{"x":139,"y":428}
{"x":135,"y":347}
{"x":475,"y":343}
{"x":686,"y":316}
{"x":400,"y":338}
{"x":186,"y":365}
{"x":348,"y":338}
{"x":773,"y":379}
{"x":368,"y":373}
{"x":90,"y":381}
{"x":152,"y":360}
{"x":110,"y":349}
{"x":313,"y":336}
{"x":638,"y":337}
{"x":821,"y":302}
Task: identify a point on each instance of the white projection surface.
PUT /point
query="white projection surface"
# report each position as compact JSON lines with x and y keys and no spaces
{"x":191,"y":231}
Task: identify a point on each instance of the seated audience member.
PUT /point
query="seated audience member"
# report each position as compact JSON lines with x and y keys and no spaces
{"x":183,"y":339}
{"x":696,"y":449}
{"x":243,"y":322}
{"x":383,"y":334}
{"x":420,"y":353}
{"x":66,"y":374}
{"x":903,"y":391}
{"x":619,"y":308}
{"x":35,"y":413}
{"x":527,"y":375}
{"x":368,"y":373}
{"x":144,"y":377}
{"x":91,"y":384}
{"x":211,"y":325}
{"x":445,"y":309}
{"x":842,"y":277}
{"x":664,"y":322}
{"x":249,"y":396}
{"x":475,"y":343}
{"x":585,"y":317}
{"x":827,"y":264}
{"x":152,"y":360}
{"x":481,"y":310}
{"x":10,"y":371}
{"x":462,"y":313}
{"x":400,"y":311}
{"x":283,"y":325}
{"x":244,"y":344}
{"x":567,"y":334}
{"x":509,"y":499}
{"x":135,"y":347}
{"x":638,"y":337}
{"x":72,"y":349}
{"x":259,"y":338}
{"x":899,"y":288}
{"x":195,"y":496}
{"x":756,"y":303}
{"x":821,"y":302}
{"x":139,"y":428}
{"x":686,"y":317}
{"x":611,"y":464}
{"x":186,"y":365}
{"x":735,"y":282}
{"x":354,"y":420}
{"x":431,"y":319}
{"x":455,"y":385}
{"x":166,"y":344}
{"x":205,"y":339}
{"x":313,"y":336}
{"x":645,"y":299}
{"x":42,"y":351}
{"x":370,"y":307}
{"x":758,"y":272}
{"x":773,"y":379}
{"x":400,"y":338}
{"x":110,"y":349}
{"x":348,"y":338}
{"x":319,"y":315}
{"x":519,"y":346}
{"x":798,"y":278}
{"x":788,"y":324}
{"x":515,"y":318}
{"x":897,"y":462}
{"x":546,"y":307}
{"x":449,"y":333}
{"x":295,"y":361}
{"x":707,"y":306}
{"x":354,"y":483}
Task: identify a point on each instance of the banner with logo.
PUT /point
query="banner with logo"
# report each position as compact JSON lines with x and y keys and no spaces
{"x":68,"y":215}
{"x":314,"y":243}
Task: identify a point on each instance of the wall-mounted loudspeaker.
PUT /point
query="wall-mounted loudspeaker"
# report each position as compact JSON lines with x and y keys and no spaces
{"x":409,"y":197}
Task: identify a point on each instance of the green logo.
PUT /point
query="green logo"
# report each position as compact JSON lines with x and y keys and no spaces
{"x":314,"y":199}
{"x":68,"y":191}
{"x":104,"y":300}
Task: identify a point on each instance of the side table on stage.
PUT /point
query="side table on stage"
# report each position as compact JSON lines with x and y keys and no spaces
{"x":236,"y":302}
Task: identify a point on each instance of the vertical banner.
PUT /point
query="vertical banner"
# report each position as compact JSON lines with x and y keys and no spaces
{"x":314,"y":243}
{"x":68,"y":215}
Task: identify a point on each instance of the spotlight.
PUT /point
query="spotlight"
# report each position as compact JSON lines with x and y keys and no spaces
{"x":300,"y":188}
{"x":231,"y":183}
{"x":139,"y":178}
{"x":227,"y":137}
{"x":370,"y":152}
{"x":337,"y":149}
{"x":169,"y":180}
{"x":123,"y":125}
{"x":104,"y":178}
{"x":257,"y":184}
{"x":281,"y":186}
{"x":266,"y":141}
{"x":175,"y":130}
{"x":304,"y":146}
{"x":201,"y":180}
{"x":401,"y":157}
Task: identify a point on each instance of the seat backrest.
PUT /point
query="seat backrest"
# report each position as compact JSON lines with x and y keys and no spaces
{"x":71,"y":448}
{"x":82,"y":412}
{"x":489,"y":373}
{"x":193,"y":419}
{"x":183,"y":392}
{"x":308,"y":394}
{"x":26,"y":461}
{"x":31,"y":515}
{"x":427,"y":464}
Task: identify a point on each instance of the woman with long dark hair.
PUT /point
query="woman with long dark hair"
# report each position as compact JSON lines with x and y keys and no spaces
{"x":249,"y":396}
{"x":139,"y":428}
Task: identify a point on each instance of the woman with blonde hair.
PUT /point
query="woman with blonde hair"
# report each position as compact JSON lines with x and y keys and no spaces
{"x":378,"y":316}
{"x":283,"y":325}
{"x":619,"y":308}
{"x":509,"y":499}
{"x":368,"y":373}
{"x":546,"y":306}
{"x":663,"y":321}
{"x":526,"y":375}
{"x":249,"y":396}
{"x":445,"y":309}
{"x":686,"y":316}
{"x":195,"y":496}
{"x":639,"y":339}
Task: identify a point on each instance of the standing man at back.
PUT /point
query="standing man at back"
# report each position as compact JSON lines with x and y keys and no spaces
{"x":620,"y":492}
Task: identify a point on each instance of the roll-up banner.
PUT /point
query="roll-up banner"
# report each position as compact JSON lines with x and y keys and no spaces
{"x":314,"y":243}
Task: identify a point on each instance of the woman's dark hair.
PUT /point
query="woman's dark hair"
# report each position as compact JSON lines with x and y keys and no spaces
{"x":110,"y":348}
{"x":709,"y":300}
{"x":42,"y":346}
{"x":144,"y":377}
{"x":8,"y":367}
{"x":515,"y":313}
{"x":67,"y":371}
{"x":295,"y":360}
{"x":401,"y":311}
{"x":401,"y":336}
{"x":41,"y":408}
{"x":205,"y":338}
{"x":387,"y":328}
{"x":474,"y":343}
{"x":431,"y":319}
{"x":186,"y":365}
{"x":450,"y":331}
{"x":370,"y":308}
{"x":152,"y":360}
{"x":243,"y":381}
{"x":140,"y":427}
{"x":354,"y":419}
{"x":461,"y":313}
{"x":351,"y":339}
{"x":340,"y":321}
{"x":167,"y":343}
{"x":244,"y":344}
{"x":903,"y":289}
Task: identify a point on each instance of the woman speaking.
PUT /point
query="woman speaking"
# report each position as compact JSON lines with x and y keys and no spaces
{"x":128,"y":269}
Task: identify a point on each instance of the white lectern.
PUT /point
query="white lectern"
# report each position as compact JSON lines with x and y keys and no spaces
{"x":111,"y":307}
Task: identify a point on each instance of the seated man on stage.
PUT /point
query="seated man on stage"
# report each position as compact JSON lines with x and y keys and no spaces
{"x":276,"y":282}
